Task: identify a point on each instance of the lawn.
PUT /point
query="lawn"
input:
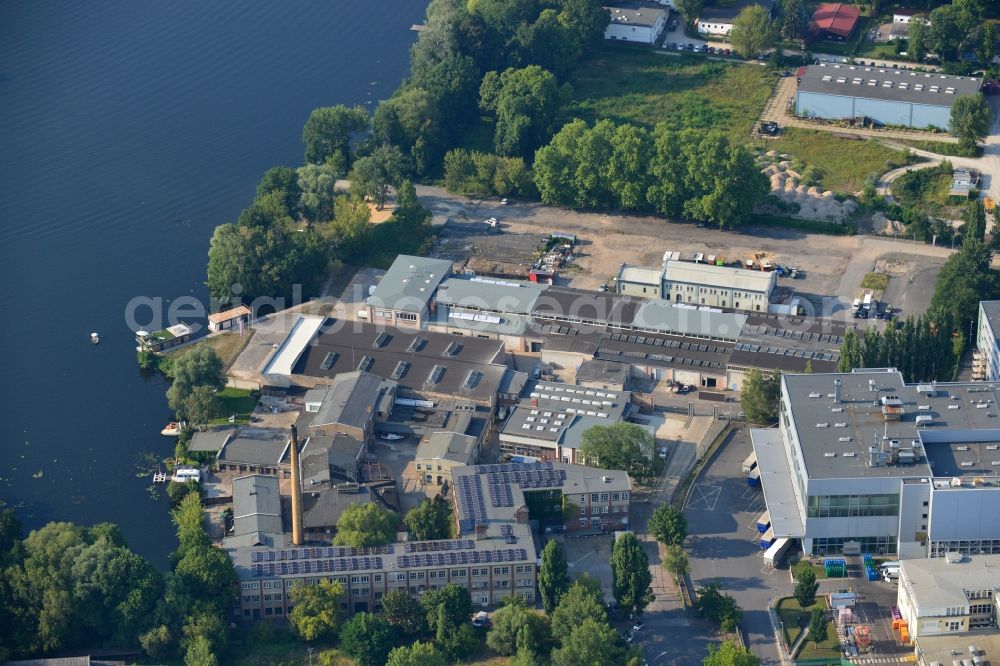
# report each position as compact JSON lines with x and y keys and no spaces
{"x":875,"y":281}
{"x":943,"y":148}
{"x":647,"y":87}
{"x":790,"y":612}
{"x":226,"y":345}
{"x":845,"y":163}
{"x":240,"y":402}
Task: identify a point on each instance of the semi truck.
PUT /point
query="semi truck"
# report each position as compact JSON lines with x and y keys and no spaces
{"x":750,"y":463}
{"x":776,"y":551}
{"x":767,"y":539}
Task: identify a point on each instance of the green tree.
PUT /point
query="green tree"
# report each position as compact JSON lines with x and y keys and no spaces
{"x":317,"y":189}
{"x":916,"y":39}
{"x":409,"y":211}
{"x":850,"y":352}
{"x":630,"y":571}
{"x":753,"y":31}
{"x":285,"y":181}
{"x":675,"y":560}
{"x":793,"y":21}
{"x":429,"y":520}
{"x":368,"y":638}
{"x":188,"y":518}
{"x":366,"y":525}
{"x":416,"y":654}
{"x":582,"y":601}
{"x":689,"y":9}
{"x":199,"y":653}
{"x":447,"y":607}
{"x":806,"y":586}
{"x":516,"y":628}
{"x":351,"y":228}
{"x":760,"y":395}
{"x":266,"y":210}
{"x":158,"y":642}
{"x":200,"y":406}
{"x":548,"y":43}
{"x":975,"y":221}
{"x":328,"y":133}
{"x":316,"y":609}
{"x":586,"y":20}
{"x":525,"y":103}
{"x":403,"y":612}
{"x":553,"y":579}
{"x":730,"y":654}
{"x":200,"y":366}
{"x":628,"y":169}
{"x":411,"y":120}
{"x":373,"y":175}
{"x":817,"y":626}
{"x":712,"y":604}
{"x":965,"y":279}
{"x":590,"y":644}
{"x":206,"y":575}
{"x":625,"y":446}
{"x":970,"y":120}
{"x":668,"y":525}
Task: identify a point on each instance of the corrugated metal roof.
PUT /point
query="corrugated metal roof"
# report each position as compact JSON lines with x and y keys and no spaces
{"x":888,"y":84}
{"x":409,"y":283}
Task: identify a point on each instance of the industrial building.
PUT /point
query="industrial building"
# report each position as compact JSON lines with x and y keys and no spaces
{"x":494,"y":555}
{"x":718,"y":20}
{"x":699,"y":283}
{"x":986,"y":357}
{"x":862,"y":462}
{"x":635,"y":23}
{"x":949,"y":595}
{"x":887,"y":96}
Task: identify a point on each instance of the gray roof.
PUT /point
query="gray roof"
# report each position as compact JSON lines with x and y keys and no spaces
{"x":561,"y":413}
{"x":776,"y":479}
{"x":451,"y":446}
{"x":338,"y":451}
{"x":479,"y":322}
{"x":254,"y":451}
{"x":493,"y":295}
{"x":603,"y":371}
{"x":962,"y":414}
{"x":936,"y":583}
{"x":642,"y":16}
{"x":256,"y":505}
{"x":349,"y":401}
{"x":666,"y":317}
{"x":210,"y":440}
{"x":992,"y":311}
{"x":710,"y":275}
{"x":664,"y":351}
{"x":513,"y":382}
{"x":409,"y":358}
{"x":409,"y":283}
{"x":889,"y":84}
{"x":323,"y":508}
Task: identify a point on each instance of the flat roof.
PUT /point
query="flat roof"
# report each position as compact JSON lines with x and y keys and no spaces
{"x":642,"y":16}
{"x":210,"y":440}
{"x":492,"y":294}
{"x":283,"y":360}
{"x":776,"y":480}
{"x":991,"y":309}
{"x":255,"y":451}
{"x":663,"y":350}
{"x":710,"y":275}
{"x":226,"y":315}
{"x":603,"y":371}
{"x":888,"y":84}
{"x":464,"y":366}
{"x":941,"y":649}
{"x":561,"y":413}
{"x":681,"y":319}
{"x":409,"y":283}
{"x":640,"y":275}
{"x":479,"y":322}
{"x":445,"y":445}
{"x":836,"y":434}
{"x":938,"y":582}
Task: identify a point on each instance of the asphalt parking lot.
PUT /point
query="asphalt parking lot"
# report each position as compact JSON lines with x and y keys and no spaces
{"x":721,"y":510}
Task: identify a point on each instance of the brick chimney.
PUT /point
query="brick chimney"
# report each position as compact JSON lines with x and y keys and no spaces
{"x":296,"y":489}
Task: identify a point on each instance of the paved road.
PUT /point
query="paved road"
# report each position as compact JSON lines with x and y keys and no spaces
{"x":720,"y":511}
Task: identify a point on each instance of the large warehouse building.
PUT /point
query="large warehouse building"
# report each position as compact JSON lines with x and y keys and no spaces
{"x":888,"y":96}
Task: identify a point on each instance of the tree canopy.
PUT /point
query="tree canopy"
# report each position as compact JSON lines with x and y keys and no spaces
{"x":722,"y":608}
{"x":625,"y":446}
{"x":668,"y":525}
{"x":373,"y":175}
{"x":630,"y":571}
{"x":416,"y":654}
{"x":525,"y":103}
{"x":517,"y":628}
{"x":965,"y":279}
{"x":753,"y":31}
{"x":730,"y":654}
{"x":366,"y":524}
{"x":760,"y":395}
{"x":590,"y":644}
{"x":198,"y":367}
{"x":368,"y":638}
{"x":971,"y":119}
{"x":429,"y":520}
{"x":582,"y":601}
{"x":553,"y":579}
{"x":403,"y":612}
{"x":316,"y":609}
{"x":328,"y":133}
{"x":805,"y":586}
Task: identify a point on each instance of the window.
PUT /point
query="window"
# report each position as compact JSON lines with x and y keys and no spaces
{"x":604,"y":497}
{"x":460,"y":572}
{"x":406,"y":316}
{"x":501,"y":571}
{"x":378,"y":578}
{"x":484,"y":600}
{"x":420,"y":575}
{"x":615,"y":497}
{"x":593,"y":497}
{"x":401,"y":576}
{"x":434,"y":574}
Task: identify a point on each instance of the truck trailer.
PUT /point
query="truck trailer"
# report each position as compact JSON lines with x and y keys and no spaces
{"x":750,"y":463}
{"x":763,"y":522}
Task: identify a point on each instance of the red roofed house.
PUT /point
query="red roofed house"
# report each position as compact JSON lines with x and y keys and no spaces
{"x":834,"y":20}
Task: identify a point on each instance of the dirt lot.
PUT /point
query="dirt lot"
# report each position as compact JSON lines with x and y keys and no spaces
{"x":833,"y":265}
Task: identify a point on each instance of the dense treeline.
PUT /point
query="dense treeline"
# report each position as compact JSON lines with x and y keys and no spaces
{"x":69,"y":587}
{"x":923,"y":348}
{"x":691,"y":174}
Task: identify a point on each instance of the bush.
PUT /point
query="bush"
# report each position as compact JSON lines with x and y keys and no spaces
{"x":178,"y":491}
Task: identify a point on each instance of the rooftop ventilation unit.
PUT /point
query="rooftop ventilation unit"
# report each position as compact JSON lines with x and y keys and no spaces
{"x":966,"y":463}
{"x":815,"y":395}
{"x":843,"y":439}
{"x":366,"y":363}
{"x":822,"y":425}
{"x":850,"y":454}
{"x":839,"y":425}
{"x":829,"y":454}
{"x":962,"y":448}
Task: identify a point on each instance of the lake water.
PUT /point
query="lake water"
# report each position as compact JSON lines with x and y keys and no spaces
{"x":128,"y":130}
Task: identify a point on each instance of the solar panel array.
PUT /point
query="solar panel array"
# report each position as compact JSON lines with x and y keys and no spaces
{"x":471,"y":503}
{"x":527,"y":479}
{"x":461,"y":557}
{"x":783,"y":351}
{"x":318,"y":553}
{"x":451,"y":544}
{"x":332,"y":565}
{"x":513,"y":467}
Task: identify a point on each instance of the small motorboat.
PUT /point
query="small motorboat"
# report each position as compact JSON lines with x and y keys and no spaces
{"x":96,"y":339}
{"x":172,"y":429}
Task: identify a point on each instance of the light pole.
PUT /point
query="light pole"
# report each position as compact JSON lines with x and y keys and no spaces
{"x":310,"y":650}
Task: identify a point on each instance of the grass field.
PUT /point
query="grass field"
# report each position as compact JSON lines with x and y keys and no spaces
{"x":647,"y":87}
{"x":942,"y":148}
{"x":876,"y":281}
{"x":226,"y":345}
{"x":238,"y":402}
{"x":793,"y":618}
{"x":390,"y":239}
{"x":845,"y":163}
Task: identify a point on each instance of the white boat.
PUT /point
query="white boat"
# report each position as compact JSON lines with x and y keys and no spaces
{"x":172,"y":429}
{"x":95,"y":338}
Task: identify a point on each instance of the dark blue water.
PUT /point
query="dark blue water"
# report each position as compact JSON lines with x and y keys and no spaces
{"x":128,"y":130}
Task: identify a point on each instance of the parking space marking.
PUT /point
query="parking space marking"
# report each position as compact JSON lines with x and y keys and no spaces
{"x":703,"y":497}
{"x":750,"y":493}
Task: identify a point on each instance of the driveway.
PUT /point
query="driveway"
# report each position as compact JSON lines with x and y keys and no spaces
{"x":722,"y":542}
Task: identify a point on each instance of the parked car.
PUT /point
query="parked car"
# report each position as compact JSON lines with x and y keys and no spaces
{"x":727,"y":52}
{"x":689,"y":47}
{"x":680,"y":47}
{"x":639,"y":624}
{"x":503,"y":202}
{"x":770,"y":128}
{"x":481,"y":619}
{"x":663,"y":452}
{"x":391,"y":436}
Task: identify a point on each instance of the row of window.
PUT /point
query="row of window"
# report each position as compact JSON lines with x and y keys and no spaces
{"x":720,"y":292}
{"x":594,"y":510}
{"x":884,"y":545}
{"x":852,"y":506}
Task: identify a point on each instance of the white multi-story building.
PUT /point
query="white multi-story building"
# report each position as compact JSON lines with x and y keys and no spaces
{"x":640,"y":24}
{"x":948,"y":595}
{"x":862,"y":462}
{"x":986,"y":358}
